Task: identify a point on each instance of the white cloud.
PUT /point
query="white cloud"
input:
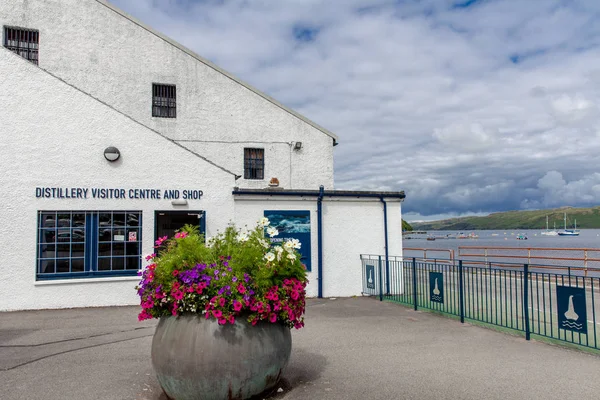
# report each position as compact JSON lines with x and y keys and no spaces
{"x":476,"y":103}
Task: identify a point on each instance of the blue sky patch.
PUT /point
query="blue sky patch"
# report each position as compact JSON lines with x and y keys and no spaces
{"x":305,"y":33}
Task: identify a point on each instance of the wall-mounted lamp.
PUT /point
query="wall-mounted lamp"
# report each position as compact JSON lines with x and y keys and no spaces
{"x":179,"y":202}
{"x":298,"y":146}
{"x":112,"y":153}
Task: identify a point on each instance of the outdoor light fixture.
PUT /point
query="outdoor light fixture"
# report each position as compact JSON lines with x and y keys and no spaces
{"x":112,"y":153}
{"x":297,"y":145}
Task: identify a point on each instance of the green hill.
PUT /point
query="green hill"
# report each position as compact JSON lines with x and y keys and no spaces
{"x":406,"y":227}
{"x":587,"y":218}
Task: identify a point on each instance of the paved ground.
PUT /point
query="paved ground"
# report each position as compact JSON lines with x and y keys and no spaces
{"x":351,"y":349}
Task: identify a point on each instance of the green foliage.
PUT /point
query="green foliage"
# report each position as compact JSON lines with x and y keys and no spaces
{"x":587,"y":218}
{"x":406,"y":227}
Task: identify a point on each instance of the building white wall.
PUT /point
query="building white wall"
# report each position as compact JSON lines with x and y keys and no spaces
{"x":100,"y":51}
{"x":351,"y":227}
{"x":55,"y":136}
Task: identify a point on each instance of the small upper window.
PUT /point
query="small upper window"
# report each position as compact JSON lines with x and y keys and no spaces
{"x":254,"y":163}
{"x":24,"y":42}
{"x":164,"y":101}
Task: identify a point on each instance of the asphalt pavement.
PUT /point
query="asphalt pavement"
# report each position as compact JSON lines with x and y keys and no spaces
{"x":357,"y":348}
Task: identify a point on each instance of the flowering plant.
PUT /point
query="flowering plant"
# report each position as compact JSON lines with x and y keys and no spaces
{"x":236,"y":274}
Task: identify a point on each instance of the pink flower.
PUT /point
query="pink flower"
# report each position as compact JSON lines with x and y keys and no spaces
{"x":144,"y":315}
{"x":150,"y":257}
{"x":241,"y":288}
{"x":178,"y":294}
{"x":160,"y":241}
{"x":231,"y":320}
{"x":237,"y":306}
{"x":176,"y":285}
{"x":273,"y":317}
{"x":217,"y":313}
{"x":199,"y":289}
{"x":175,"y":273}
{"x":222,"y":302}
{"x":180,"y":235}
{"x":294,"y":295}
{"x":222,"y":321}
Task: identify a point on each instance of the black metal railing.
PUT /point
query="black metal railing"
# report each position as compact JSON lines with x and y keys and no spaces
{"x":552,"y":303}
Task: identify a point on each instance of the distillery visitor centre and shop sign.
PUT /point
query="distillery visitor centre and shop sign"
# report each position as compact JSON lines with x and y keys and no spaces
{"x":116,"y":193}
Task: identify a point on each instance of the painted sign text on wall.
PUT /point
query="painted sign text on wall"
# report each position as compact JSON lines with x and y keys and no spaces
{"x":116,"y":193}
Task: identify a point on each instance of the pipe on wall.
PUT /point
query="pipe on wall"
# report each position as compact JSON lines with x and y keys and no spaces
{"x":320,"y":241}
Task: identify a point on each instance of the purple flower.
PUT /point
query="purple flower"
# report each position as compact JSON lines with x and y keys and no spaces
{"x":226,"y":264}
{"x":234,"y":279}
{"x":217,"y":272}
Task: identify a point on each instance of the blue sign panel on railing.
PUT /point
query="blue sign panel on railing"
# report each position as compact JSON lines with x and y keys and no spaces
{"x":436,"y":287}
{"x":292,"y":225}
{"x":370,"y":276}
{"x":572,"y":309}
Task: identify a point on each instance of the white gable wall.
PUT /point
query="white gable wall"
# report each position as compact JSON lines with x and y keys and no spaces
{"x":91,"y":46}
{"x":55,"y":136}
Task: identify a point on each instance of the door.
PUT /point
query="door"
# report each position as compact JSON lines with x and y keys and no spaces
{"x":166,"y":223}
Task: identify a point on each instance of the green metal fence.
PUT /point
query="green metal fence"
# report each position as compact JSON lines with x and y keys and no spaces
{"x":552,"y":303}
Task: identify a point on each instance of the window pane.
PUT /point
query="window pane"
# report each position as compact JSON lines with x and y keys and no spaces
{"x":63,"y":250}
{"x":118,"y":219}
{"x":133,"y":249}
{"x":118,"y":263}
{"x":48,"y":220}
{"x":63,"y":235}
{"x":133,"y":219}
{"x":105,"y":235}
{"x":77,"y":265}
{"x":104,"y":264}
{"x":48,"y":235}
{"x":132,"y":263}
{"x":104,"y":249}
{"x":48,"y":251}
{"x":118,"y":249}
{"x":79,"y":220}
{"x":62,"y":265}
{"x":104,"y":220}
{"x":77,"y":250}
{"x":47,"y":266}
{"x":64,"y":220}
{"x":78,"y":235}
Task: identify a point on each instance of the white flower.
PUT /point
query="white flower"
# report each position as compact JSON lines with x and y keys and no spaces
{"x":270,"y":256}
{"x":264,"y":243}
{"x":279,"y":251}
{"x":291,"y":256}
{"x":242,"y":237}
{"x":264,"y":221}
{"x":209,"y":242}
{"x":271,"y":231}
{"x":289,"y":245}
{"x":296,"y":243}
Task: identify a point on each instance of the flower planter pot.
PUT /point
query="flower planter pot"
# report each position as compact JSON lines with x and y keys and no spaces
{"x":196,"y":358}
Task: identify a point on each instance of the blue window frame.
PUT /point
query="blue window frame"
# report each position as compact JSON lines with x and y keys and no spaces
{"x":80,"y":244}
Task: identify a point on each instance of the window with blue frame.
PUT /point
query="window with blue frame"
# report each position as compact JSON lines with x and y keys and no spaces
{"x":75,"y":244}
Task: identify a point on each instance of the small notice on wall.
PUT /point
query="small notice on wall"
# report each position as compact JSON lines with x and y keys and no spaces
{"x":119,"y":238}
{"x":133,"y":236}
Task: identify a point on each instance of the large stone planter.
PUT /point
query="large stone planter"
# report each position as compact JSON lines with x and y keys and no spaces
{"x":196,"y":358}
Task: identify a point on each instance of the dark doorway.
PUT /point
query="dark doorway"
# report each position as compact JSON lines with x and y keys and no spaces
{"x":166,"y":223}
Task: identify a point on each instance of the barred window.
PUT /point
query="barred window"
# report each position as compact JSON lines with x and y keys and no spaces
{"x":254,"y":163}
{"x":164,"y":101}
{"x":24,"y":42}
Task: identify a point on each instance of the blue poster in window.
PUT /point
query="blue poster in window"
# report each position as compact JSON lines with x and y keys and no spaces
{"x":572,"y":309}
{"x":292,"y":224}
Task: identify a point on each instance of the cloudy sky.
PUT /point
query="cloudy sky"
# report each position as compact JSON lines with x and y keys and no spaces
{"x":470,"y":106}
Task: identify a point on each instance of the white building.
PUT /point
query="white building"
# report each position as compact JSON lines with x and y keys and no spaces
{"x":83,"y":83}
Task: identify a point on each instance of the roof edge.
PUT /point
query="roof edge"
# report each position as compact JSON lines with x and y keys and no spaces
{"x":219,"y":69}
{"x":316,"y":193}
{"x":236,"y":177}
